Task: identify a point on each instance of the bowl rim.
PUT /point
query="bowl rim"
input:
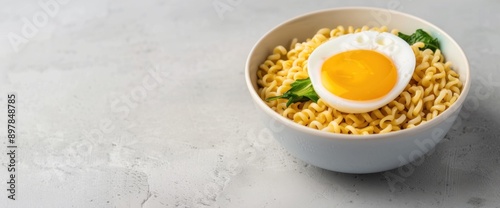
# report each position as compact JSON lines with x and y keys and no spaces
{"x":329,"y":135}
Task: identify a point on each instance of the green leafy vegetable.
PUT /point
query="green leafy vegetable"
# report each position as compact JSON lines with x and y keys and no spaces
{"x":421,"y":36}
{"x":302,"y":90}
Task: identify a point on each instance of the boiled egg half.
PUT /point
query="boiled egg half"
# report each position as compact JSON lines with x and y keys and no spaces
{"x":361,"y":72}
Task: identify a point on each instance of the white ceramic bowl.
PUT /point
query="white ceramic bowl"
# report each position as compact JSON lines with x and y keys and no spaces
{"x":355,"y":153}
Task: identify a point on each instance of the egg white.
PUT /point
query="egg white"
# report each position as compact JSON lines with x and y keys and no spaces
{"x":395,"y":48}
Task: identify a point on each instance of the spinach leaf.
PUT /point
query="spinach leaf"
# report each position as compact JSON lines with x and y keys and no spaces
{"x":302,"y":90}
{"x":421,"y":36}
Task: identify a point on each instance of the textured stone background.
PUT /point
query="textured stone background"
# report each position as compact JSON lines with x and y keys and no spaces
{"x":128,"y":103}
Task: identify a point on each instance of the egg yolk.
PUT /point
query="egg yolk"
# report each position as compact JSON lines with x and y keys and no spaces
{"x":359,"y":75}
